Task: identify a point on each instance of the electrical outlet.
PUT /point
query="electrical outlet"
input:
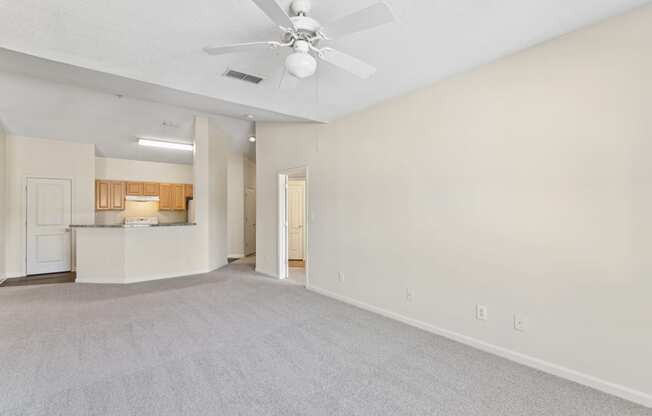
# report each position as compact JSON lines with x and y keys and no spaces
{"x":340,"y":277}
{"x":481,"y":313}
{"x":409,"y":296}
{"x":520,"y":323}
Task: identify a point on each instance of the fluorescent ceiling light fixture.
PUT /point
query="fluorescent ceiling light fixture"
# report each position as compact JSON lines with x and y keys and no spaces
{"x":252,"y":139}
{"x":166,"y":144}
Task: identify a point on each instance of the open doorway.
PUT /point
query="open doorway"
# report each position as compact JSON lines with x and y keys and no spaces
{"x":293,"y":225}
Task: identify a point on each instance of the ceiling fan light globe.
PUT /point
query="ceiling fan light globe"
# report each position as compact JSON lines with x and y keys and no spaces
{"x":301,"y":65}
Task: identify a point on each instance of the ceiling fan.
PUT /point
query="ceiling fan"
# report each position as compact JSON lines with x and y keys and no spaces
{"x":303,"y":34}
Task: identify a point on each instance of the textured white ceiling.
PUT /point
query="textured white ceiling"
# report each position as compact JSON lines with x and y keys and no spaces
{"x":160,"y":42}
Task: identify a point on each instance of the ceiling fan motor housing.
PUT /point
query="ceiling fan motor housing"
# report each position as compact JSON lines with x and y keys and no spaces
{"x":306,"y":24}
{"x":301,"y":7}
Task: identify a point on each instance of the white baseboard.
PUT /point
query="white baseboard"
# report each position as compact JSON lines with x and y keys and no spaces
{"x":267,"y":274}
{"x":139,"y":279}
{"x":236,"y":256}
{"x":614,"y":389}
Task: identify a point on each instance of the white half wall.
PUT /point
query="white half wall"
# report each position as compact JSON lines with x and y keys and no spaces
{"x":41,"y":158}
{"x":524,"y":185}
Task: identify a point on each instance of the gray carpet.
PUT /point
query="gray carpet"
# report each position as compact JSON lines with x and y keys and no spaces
{"x":234,"y":343}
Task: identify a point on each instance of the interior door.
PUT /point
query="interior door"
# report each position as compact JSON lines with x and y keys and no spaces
{"x":48,"y":221}
{"x":250,"y":221}
{"x":296,"y":219}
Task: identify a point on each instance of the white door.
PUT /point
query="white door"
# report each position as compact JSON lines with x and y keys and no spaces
{"x":296,"y":219}
{"x":48,"y":222}
{"x":250,"y":221}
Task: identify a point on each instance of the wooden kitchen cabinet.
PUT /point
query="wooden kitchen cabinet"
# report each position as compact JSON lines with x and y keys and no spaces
{"x":172,"y":197}
{"x":118,"y":196}
{"x":151,"y":189}
{"x":109,"y":195}
{"x":179,"y":203}
{"x":188,"y":190}
{"x":135,"y":188}
{"x":102,"y":195}
{"x":165,"y":197}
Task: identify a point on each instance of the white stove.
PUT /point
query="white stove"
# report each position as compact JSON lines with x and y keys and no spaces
{"x":141,"y":221}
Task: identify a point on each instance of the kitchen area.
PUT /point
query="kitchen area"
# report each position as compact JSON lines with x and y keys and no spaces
{"x":141,"y":204}
{"x":144,"y":223}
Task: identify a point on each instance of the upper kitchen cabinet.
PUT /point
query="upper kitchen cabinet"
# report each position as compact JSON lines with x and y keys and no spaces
{"x":102,"y":195}
{"x":151,"y":189}
{"x":135,"y":188}
{"x":109,"y":195}
{"x":179,"y":203}
{"x":188,"y":190}
{"x":172,"y":197}
{"x":143,"y":188}
{"x":165,"y":197}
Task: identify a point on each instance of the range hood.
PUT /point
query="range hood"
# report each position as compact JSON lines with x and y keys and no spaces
{"x":140,"y":198}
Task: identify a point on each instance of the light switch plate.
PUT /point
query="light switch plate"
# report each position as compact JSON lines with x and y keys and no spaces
{"x":481,"y":313}
{"x":520,"y":323}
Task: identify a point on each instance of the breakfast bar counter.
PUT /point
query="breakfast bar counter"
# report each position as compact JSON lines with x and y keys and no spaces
{"x":128,"y":254}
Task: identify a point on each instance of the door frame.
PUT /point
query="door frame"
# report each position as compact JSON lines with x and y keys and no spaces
{"x":282,"y":221}
{"x":26,"y":213}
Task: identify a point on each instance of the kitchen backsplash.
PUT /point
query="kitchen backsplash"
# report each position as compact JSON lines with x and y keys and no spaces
{"x":139,"y":209}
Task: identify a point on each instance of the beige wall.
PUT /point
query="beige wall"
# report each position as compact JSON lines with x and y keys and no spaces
{"x":524,"y":185}
{"x":249,"y":184}
{"x":3,"y":199}
{"x":235,"y":204}
{"x":250,"y":173}
{"x":32,"y":157}
{"x":136,"y":170}
{"x":210,"y":175}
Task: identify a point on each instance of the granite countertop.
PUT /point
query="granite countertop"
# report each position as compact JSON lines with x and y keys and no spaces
{"x":174,"y":224}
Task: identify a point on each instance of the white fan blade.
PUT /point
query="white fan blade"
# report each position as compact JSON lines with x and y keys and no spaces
{"x":240,"y":47}
{"x":347,"y":63}
{"x":275,"y":12}
{"x":288,"y":81}
{"x":364,"y":19}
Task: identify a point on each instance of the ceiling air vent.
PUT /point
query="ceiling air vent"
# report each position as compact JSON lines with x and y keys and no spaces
{"x":253,"y":79}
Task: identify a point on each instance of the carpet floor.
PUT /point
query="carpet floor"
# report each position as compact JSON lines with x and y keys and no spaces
{"x":234,"y":343}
